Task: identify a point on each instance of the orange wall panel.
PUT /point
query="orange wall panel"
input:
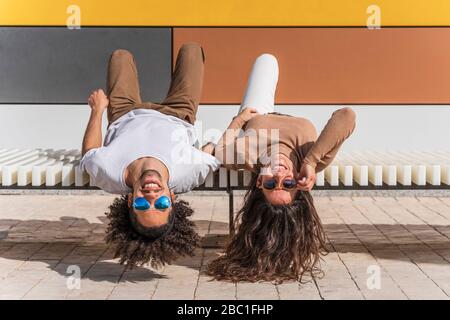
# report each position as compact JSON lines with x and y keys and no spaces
{"x":328,"y":65}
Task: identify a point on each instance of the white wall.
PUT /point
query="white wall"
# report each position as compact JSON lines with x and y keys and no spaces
{"x":378,"y":127}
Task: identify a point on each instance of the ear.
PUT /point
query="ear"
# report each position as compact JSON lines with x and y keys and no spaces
{"x":130,"y":199}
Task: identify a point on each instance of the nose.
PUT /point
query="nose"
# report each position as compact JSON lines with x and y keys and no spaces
{"x":151,"y":201}
{"x":279,"y":177}
{"x":151,"y":196}
{"x":278,"y":174}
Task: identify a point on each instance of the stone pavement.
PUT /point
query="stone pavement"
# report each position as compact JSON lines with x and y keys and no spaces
{"x":381,"y":248}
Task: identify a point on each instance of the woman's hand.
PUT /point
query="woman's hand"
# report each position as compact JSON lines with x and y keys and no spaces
{"x":306,"y":177}
{"x":209,"y":148}
{"x":247,"y":114}
{"x":98,"y":101}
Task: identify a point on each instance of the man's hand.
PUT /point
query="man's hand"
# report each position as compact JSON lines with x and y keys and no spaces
{"x":306,"y":177}
{"x":247,"y":114}
{"x":98,"y":101}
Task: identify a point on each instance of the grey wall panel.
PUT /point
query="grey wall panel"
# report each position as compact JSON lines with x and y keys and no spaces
{"x":58,"y":65}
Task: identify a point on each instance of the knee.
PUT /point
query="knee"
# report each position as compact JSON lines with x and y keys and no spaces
{"x":191,"y":45}
{"x":121,"y":54}
{"x":348,"y":114}
{"x":267,"y":58}
{"x":192,"y":48}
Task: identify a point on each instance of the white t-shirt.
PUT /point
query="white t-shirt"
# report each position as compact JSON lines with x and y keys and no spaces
{"x":148,"y":133}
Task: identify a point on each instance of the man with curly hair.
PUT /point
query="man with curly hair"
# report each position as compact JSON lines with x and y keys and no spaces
{"x":148,"y":156}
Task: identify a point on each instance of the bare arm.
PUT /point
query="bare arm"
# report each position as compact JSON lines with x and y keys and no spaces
{"x":93,"y":134}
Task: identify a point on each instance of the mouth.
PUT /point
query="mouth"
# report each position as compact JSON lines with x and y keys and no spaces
{"x":151,"y":184}
{"x":279,"y":166}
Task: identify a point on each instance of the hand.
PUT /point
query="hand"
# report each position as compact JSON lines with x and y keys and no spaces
{"x":247,"y":114}
{"x":306,"y":177}
{"x":98,"y":101}
{"x":209,"y":148}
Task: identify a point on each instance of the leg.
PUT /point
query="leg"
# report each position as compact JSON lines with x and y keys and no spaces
{"x":186,"y":87}
{"x":262,"y":84}
{"x":122,"y":84}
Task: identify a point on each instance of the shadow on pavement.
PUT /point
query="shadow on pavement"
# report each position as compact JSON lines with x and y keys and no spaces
{"x":76,"y":241}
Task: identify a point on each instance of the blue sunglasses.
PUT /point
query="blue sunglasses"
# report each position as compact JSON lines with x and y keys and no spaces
{"x":161,"y":203}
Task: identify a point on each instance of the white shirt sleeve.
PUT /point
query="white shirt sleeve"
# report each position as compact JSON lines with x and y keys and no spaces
{"x":92,"y":164}
{"x":88,"y":164}
{"x":103,"y":172}
{"x":193,"y":175}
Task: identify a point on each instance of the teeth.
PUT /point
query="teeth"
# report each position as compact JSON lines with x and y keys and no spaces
{"x":151,"y":185}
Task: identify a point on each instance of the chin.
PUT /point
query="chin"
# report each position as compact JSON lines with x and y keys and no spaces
{"x":280,"y":202}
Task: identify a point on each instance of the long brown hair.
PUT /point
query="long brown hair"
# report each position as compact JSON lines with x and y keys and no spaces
{"x":273,"y":242}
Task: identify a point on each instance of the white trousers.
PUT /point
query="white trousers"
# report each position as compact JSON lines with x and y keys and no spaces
{"x":262,"y":84}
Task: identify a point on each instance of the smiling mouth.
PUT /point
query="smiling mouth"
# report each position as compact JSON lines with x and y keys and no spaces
{"x":279,"y":166}
{"x":151,"y":183}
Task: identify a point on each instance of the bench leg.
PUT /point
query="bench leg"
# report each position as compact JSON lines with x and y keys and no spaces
{"x":231,"y":211}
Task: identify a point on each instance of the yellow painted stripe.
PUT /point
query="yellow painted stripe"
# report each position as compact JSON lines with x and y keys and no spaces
{"x":225,"y":12}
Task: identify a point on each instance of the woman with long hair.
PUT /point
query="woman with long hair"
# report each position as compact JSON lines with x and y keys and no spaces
{"x":279,"y":233}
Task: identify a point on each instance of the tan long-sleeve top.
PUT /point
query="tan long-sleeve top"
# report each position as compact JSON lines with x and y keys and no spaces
{"x":294,"y":137}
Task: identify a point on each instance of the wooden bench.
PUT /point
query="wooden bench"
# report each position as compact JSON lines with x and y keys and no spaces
{"x":59,"y":169}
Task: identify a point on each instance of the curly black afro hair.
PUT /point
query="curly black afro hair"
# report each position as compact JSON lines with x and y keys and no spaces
{"x":135,"y":249}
